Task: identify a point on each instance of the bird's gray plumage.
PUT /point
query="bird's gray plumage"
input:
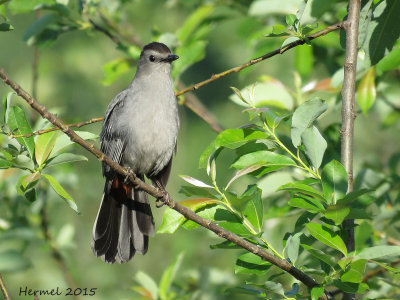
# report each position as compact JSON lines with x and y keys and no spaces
{"x":140,"y":129}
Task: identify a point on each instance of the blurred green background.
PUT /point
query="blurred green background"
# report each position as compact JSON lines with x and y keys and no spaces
{"x":70,"y":76}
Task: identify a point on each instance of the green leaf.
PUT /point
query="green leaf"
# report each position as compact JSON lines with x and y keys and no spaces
{"x":349,"y":287}
{"x":353,"y":196}
{"x":268,"y":7}
{"x":243,"y":172}
{"x":377,"y":252}
{"x":148,"y":283}
{"x":250,"y":263}
{"x":291,"y":250}
{"x":288,"y":41}
{"x":304,"y":60}
{"x":389,"y":62}
{"x":382,"y":30}
{"x":195,"y":181}
{"x":4,"y":164}
{"x":337,"y":213}
{"x":334,"y":181}
{"x":193,"y":22}
{"x":327,"y":236}
{"x":172,"y":220}
{"x":268,"y":158}
{"x":64,"y":158}
{"x":301,"y":188}
{"x":64,"y":141}
{"x":13,"y":261}
{"x":355,"y":273}
{"x":23,"y":6}
{"x":317,"y":292}
{"x":308,"y":203}
{"x":168,"y":277}
{"x":314,"y":144}
{"x":61,"y":192}
{"x":44,"y":145}
{"x":254,"y":211}
{"x":277,"y":30}
{"x":322,"y":256}
{"x":19,"y":125}
{"x":116,"y":68}
{"x":304,"y":116}
{"x":38,"y":26}
{"x":6,"y":27}
{"x":291,"y":19}
{"x":366,"y":92}
{"x":199,"y":192}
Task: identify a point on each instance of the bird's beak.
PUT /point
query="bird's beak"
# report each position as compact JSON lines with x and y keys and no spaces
{"x":171,"y":58}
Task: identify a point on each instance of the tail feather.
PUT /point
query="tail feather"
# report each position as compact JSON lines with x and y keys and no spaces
{"x":123,"y":224}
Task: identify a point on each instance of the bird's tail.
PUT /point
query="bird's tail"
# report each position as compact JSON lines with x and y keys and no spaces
{"x":123,"y":224}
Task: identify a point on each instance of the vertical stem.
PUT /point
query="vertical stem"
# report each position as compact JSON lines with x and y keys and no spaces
{"x":348,"y":114}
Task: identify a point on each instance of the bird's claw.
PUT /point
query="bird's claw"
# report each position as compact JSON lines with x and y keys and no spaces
{"x":129,"y":172}
{"x":160,"y":202}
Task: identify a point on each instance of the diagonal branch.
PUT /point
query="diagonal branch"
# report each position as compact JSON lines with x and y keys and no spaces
{"x":4,"y":289}
{"x":157,"y":193}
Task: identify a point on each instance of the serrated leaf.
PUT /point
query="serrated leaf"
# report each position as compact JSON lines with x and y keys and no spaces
{"x":250,"y":263}
{"x":327,"y":236}
{"x":334,"y":181}
{"x":366,"y":92}
{"x":172,"y":220}
{"x":195,"y":181}
{"x":44,"y":145}
{"x":314,"y":144}
{"x":19,"y":125}
{"x":61,"y":192}
{"x":304,"y":116}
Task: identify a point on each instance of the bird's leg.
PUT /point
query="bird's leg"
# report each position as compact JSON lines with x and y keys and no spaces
{"x":159,"y":201}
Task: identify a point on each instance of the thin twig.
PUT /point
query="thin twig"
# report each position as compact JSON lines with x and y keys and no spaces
{"x":54,"y":251}
{"x":4,"y":289}
{"x":192,"y":102}
{"x":77,"y":125}
{"x":159,"y":194}
{"x":348,"y":114}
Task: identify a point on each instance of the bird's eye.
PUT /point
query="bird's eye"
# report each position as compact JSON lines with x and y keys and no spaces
{"x":152,"y":58}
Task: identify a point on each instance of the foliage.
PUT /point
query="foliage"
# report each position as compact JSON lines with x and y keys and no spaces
{"x":290,"y":142}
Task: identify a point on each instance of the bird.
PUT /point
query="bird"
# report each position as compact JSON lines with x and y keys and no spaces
{"x":139,"y":132}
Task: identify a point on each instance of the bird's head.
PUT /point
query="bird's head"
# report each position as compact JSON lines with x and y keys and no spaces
{"x":156,"y":57}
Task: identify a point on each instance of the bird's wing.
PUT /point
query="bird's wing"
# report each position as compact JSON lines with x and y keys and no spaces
{"x":113,"y":141}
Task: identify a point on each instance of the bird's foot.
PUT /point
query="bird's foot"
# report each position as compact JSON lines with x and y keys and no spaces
{"x":160,"y":202}
{"x":129,"y":173}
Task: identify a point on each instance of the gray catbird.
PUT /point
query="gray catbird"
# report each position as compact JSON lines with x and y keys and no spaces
{"x":139,"y":131}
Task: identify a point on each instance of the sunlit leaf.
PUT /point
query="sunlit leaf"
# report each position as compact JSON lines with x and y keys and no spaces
{"x":61,"y":192}
{"x":44,"y":145}
{"x":327,"y":236}
{"x":377,"y":252}
{"x":334,"y":181}
{"x":366,"y":92}
{"x":355,"y":273}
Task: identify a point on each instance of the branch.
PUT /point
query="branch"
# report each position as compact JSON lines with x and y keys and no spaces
{"x":348,"y":114}
{"x":54,"y":251}
{"x":78,"y":125}
{"x":159,"y":194}
{"x":192,"y":102}
{"x":4,"y":289}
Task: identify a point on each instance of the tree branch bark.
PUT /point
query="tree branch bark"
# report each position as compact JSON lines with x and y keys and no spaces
{"x":157,"y":193}
{"x":348,"y":114}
